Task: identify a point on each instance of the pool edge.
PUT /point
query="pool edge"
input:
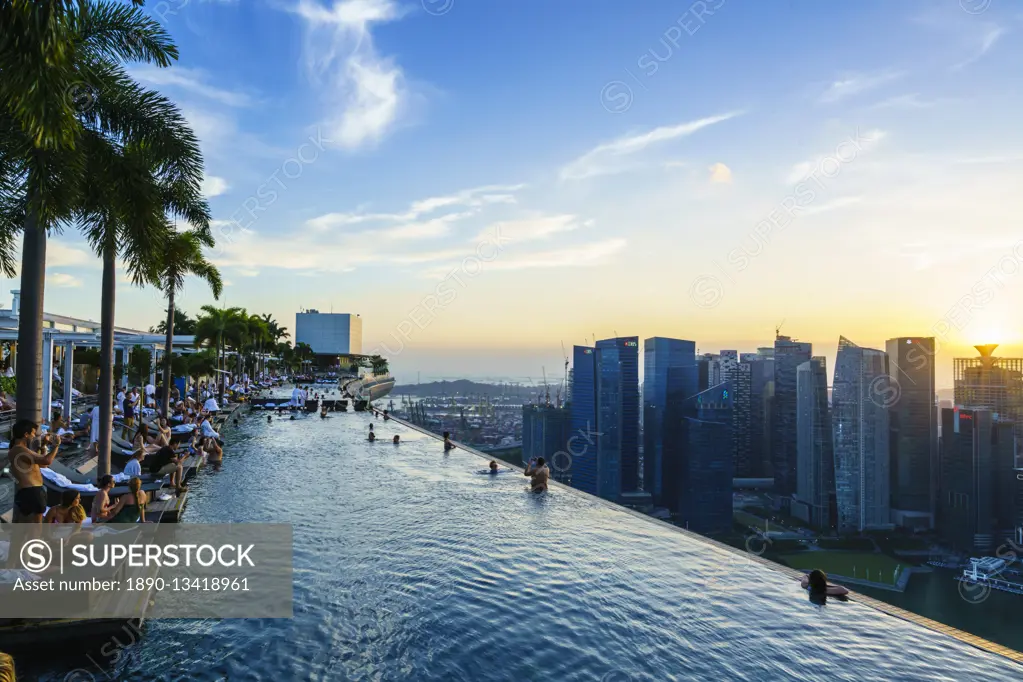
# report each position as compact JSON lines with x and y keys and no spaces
{"x":884,"y":607}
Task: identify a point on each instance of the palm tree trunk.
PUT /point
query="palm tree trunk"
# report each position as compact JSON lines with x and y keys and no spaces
{"x":167,"y":353}
{"x":221,"y":358}
{"x":106,"y":362}
{"x":29,"y":367}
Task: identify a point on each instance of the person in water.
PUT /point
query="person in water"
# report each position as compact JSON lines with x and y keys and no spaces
{"x":386,"y":416}
{"x":539,"y":473}
{"x":493,"y":467}
{"x":817,"y":583}
{"x":372,"y":437}
{"x":448,"y":445}
{"x":397,"y":439}
{"x":269,"y":419}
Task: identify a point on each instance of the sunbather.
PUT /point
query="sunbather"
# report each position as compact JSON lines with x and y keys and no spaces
{"x":134,"y":465}
{"x":164,"y":462}
{"x":164,"y":436}
{"x":69,"y":509}
{"x":102,"y":509}
{"x":145,"y":441}
{"x":131,"y":506}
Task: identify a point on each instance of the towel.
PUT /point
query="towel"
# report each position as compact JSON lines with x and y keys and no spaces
{"x":64,"y":482}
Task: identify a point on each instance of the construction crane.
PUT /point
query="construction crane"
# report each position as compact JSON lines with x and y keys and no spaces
{"x":564,"y":380}
{"x":547,"y":389}
{"x":777,"y":330}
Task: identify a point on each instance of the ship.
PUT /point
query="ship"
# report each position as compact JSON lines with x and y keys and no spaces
{"x":368,"y":387}
{"x":993,"y":573}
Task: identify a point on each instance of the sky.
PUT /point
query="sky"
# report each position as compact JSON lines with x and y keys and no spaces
{"x":486,"y":180}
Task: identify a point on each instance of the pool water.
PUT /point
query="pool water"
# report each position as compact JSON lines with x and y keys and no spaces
{"x":414,"y":564}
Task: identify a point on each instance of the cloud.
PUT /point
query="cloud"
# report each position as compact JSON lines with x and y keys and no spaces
{"x":212,"y":186}
{"x":586,"y":255}
{"x":855,"y":84}
{"x":62,"y":280}
{"x":476,"y":197}
{"x":367,"y":93}
{"x":909,"y":101}
{"x":845,"y":151}
{"x":987,"y":41}
{"x":841,"y":202}
{"x":529,"y":229}
{"x":608,"y":158}
{"x":190,"y":80}
{"x":721,"y":173}
{"x":59,"y":254}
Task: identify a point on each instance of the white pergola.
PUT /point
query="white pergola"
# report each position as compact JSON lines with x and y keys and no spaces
{"x":67,"y":341}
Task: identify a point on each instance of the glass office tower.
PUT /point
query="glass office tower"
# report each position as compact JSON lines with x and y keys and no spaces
{"x":669,"y":379}
{"x":859,"y":418}
{"x":815,"y":466}
{"x":788,"y":355}
{"x":704,"y":497}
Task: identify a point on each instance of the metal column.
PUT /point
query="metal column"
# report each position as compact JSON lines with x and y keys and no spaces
{"x":69,"y":370}
{"x":47,"y":375}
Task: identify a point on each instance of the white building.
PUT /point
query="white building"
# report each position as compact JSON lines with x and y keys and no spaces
{"x":329,"y":333}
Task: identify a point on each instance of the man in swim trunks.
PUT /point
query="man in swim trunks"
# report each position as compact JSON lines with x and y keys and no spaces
{"x":539,"y":473}
{"x":30,"y":495}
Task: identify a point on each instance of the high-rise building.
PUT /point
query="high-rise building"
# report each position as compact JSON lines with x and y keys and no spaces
{"x":976,"y":448}
{"x":788,"y":355}
{"x":913,"y":423}
{"x":991,"y":382}
{"x":815,"y":464}
{"x":605,"y":407}
{"x":582,"y":445}
{"x":704,"y":477}
{"x":859,"y":419}
{"x":669,"y":379}
{"x":545,"y":433}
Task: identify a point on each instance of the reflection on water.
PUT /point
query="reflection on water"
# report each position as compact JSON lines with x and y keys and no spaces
{"x":409,"y":565}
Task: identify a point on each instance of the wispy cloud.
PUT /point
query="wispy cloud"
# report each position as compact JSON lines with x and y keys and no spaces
{"x":841,"y":202}
{"x":366,"y":92}
{"x":608,"y":157}
{"x":861,"y":143}
{"x":907,"y":101}
{"x":59,"y":254}
{"x":530,"y":229}
{"x":475,"y":197}
{"x":191,"y":80}
{"x":857,"y":83}
{"x":987,"y":41}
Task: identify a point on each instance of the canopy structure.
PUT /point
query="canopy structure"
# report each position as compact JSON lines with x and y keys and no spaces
{"x":62,"y":334}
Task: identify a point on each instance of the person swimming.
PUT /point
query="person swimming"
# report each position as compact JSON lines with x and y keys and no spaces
{"x":493,"y":467}
{"x":816,"y":582}
{"x":397,"y":440}
{"x":372,"y":437}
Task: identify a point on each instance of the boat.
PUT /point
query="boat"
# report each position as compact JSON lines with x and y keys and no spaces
{"x":368,"y":386}
{"x":990,"y":571}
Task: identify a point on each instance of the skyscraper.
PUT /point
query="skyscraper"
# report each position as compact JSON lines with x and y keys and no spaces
{"x":788,"y":355}
{"x":582,"y":444}
{"x":992,"y":382}
{"x":976,"y":448}
{"x":859,"y":421}
{"x":605,"y":417}
{"x":914,"y":431}
{"x":669,"y":379}
{"x":815,"y":465}
{"x":704,"y":478}
{"x":545,"y":433}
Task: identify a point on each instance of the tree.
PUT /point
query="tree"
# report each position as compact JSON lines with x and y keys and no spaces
{"x":183,"y":324}
{"x":182,"y":255}
{"x":62,"y":81}
{"x":378,"y":364}
{"x":277,"y":332}
{"x":216,"y":327}
{"x":258,"y":334}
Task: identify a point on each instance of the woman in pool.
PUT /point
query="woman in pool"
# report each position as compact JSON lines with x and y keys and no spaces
{"x":372,"y":437}
{"x":817,"y":583}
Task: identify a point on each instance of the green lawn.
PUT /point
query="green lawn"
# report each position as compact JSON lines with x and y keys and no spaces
{"x":749,"y":520}
{"x":876,"y":567}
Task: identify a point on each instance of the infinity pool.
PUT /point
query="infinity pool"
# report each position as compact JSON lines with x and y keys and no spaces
{"x":412,"y":564}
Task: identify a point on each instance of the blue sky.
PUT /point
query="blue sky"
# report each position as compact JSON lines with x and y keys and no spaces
{"x":573,"y":169}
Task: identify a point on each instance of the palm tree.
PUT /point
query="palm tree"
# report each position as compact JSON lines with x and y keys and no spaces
{"x":258,"y":333}
{"x":124,"y":212}
{"x":51,"y":51}
{"x":215,"y":326}
{"x":277,"y":332}
{"x":182,"y":255}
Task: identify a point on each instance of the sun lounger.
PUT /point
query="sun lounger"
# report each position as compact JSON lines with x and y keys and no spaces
{"x":56,"y":484}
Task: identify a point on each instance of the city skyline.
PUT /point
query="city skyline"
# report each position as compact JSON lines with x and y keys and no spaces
{"x":575,"y":166}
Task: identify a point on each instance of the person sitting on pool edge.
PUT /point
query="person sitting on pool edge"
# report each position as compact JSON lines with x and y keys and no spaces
{"x":539,"y":473}
{"x":817,"y":583}
{"x":448,"y":445}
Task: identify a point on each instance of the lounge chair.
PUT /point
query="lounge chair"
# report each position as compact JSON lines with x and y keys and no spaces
{"x":56,"y":484}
